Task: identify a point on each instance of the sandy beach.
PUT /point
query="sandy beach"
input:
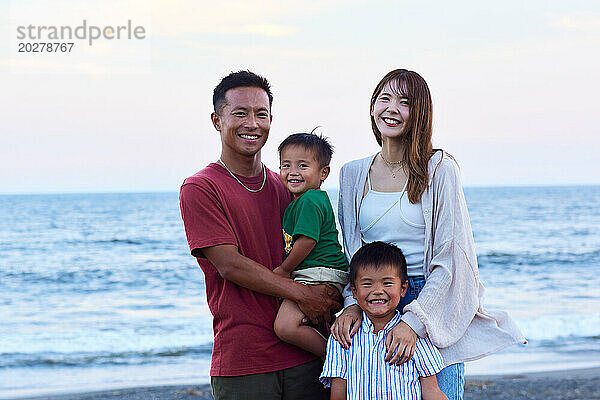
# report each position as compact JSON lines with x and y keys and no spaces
{"x":581,"y":384}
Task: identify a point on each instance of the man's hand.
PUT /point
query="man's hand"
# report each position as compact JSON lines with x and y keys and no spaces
{"x":400,"y":343}
{"x":346,"y":325}
{"x":317,"y":302}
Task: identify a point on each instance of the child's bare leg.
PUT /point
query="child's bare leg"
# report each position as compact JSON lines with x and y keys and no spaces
{"x":289,"y":328}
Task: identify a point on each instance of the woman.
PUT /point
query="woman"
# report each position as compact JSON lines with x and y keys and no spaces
{"x":410,"y":194}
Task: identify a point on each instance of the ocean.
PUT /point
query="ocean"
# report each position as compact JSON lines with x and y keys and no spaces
{"x":99,"y":291}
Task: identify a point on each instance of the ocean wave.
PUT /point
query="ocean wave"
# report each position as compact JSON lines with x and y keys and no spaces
{"x":109,"y":278}
{"x":20,"y":360}
{"x":116,"y":241}
{"x":559,"y":327}
{"x":59,"y":277}
{"x":538,"y":257}
{"x":66,"y":242}
{"x":122,"y":241}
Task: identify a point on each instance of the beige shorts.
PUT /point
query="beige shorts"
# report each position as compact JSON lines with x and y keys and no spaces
{"x":321,"y":275}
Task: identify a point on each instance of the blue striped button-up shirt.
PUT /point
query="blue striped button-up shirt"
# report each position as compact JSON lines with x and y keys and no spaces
{"x":367,"y":374}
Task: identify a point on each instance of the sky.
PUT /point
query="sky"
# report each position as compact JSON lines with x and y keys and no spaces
{"x":514,"y":86}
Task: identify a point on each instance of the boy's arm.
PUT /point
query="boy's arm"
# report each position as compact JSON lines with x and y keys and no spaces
{"x":335,"y":370}
{"x":303,"y":245}
{"x":429,"y":388}
{"x":338,"y":389}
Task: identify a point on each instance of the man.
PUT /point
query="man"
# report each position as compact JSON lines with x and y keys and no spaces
{"x":232,"y":213}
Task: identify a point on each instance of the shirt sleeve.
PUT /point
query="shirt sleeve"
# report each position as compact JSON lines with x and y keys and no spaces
{"x":427,"y":358}
{"x":204,"y":219}
{"x":335,"y":365}
{"x":310,"y":215}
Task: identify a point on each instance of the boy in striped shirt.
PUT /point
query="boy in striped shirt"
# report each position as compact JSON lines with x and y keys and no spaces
{"x":378,"y":280}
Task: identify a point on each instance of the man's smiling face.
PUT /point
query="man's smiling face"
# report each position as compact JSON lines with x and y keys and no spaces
{"x":244,"y":121}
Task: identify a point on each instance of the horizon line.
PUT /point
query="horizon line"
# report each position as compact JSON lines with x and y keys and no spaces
{"x":475,"y":186}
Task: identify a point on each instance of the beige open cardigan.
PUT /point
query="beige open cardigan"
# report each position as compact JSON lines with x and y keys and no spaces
{"x":449,"y":309}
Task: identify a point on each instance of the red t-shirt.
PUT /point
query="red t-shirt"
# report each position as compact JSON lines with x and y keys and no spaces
{"x":217,"y":210}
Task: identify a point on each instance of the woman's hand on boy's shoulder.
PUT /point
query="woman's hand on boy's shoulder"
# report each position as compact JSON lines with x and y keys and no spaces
{"x":400,"y":343}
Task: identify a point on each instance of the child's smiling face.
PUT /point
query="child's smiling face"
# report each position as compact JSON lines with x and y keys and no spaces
{"x":378,"y":292}
{"x":300,"y":170}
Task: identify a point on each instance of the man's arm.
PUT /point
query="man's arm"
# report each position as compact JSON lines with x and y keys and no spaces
{"x":430,"y":389}
{"x":303,"y":245}
{"x":338,"y":389}
{"x":314,"y":301}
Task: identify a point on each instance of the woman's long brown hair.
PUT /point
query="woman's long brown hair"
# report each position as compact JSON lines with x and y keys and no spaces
{"x":417,"y":135}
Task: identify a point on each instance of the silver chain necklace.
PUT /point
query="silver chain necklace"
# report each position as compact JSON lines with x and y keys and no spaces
{"x":241,"y":183}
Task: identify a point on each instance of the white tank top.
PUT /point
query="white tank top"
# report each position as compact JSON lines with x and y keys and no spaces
{"x":390,"y":217}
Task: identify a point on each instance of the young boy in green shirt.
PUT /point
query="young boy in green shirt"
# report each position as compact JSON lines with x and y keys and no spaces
{"x":314,"y":255}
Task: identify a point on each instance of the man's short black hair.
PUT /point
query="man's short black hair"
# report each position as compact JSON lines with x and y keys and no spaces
{"x":239,"y":79}
{"x":318,"y":144}
{"x":377,"y":255}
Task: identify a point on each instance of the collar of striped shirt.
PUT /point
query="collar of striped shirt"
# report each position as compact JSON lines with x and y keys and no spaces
{"x":368,"y":326}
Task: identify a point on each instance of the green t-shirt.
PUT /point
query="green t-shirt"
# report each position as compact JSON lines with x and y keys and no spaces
{"x":311,"y":215}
